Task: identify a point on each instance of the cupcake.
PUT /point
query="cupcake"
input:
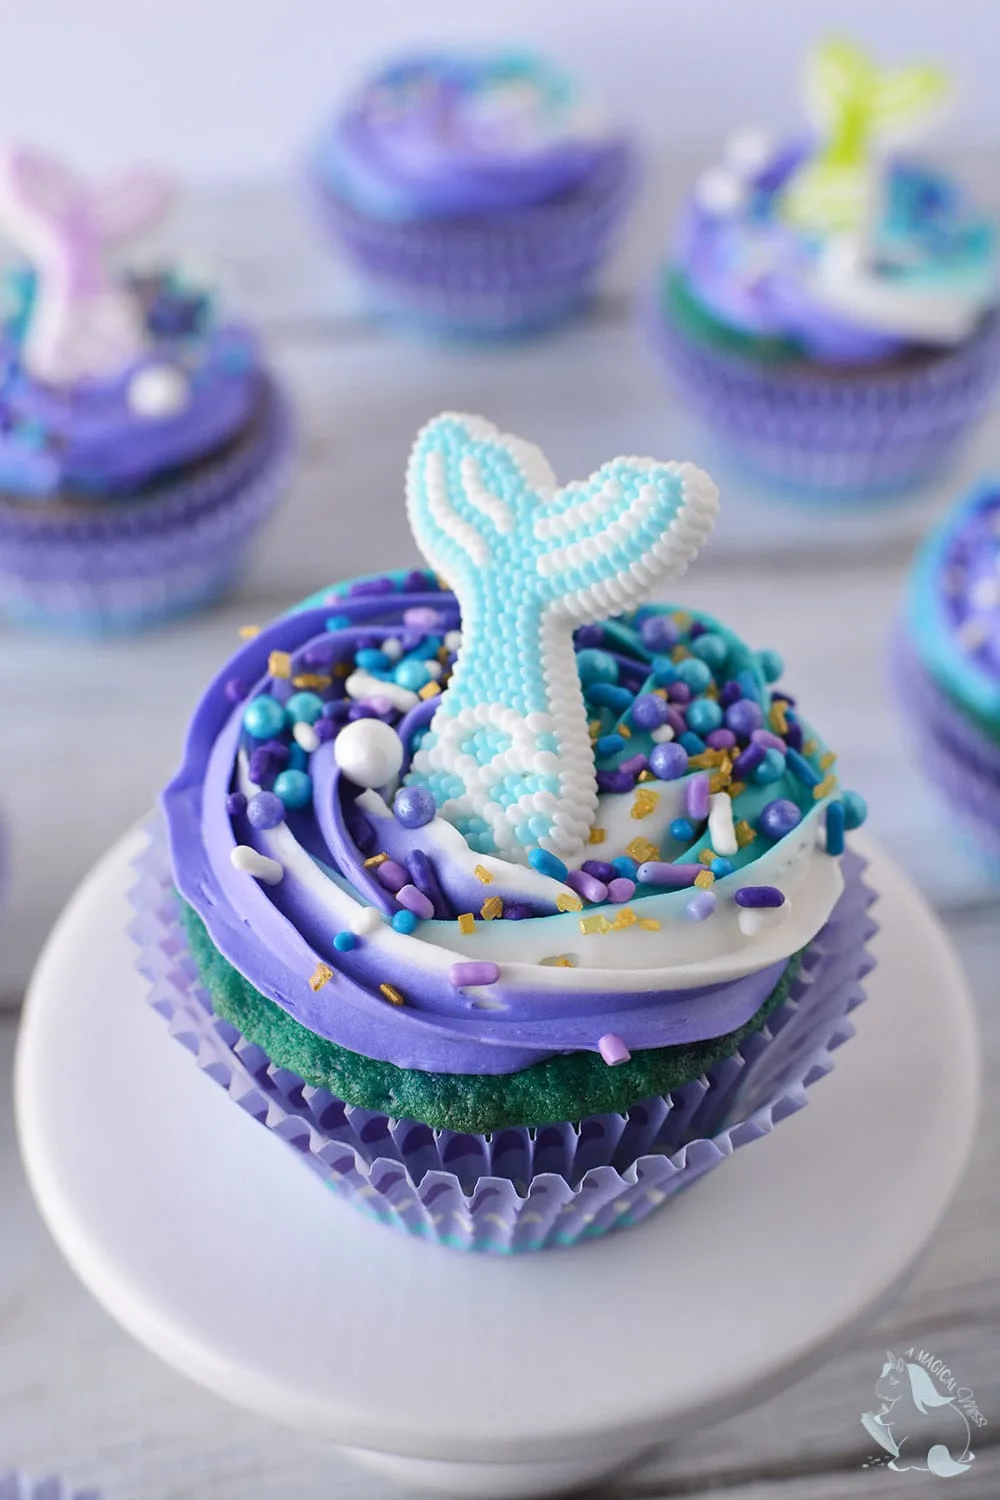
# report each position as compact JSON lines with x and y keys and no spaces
{"x":474,"y":196}
{"x":141,"y":437}
{"x":946,"y":663}
{"x":829,"y":309}
{"x":15,"y":1485}
{"x":513,"y":902}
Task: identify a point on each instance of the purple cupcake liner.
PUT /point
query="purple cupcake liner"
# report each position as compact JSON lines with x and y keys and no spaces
{"x":17,"y":1486}
{"x":493,"y":275}
{"x":834,"y":435}
{"x":958,"y":759}
{"x":123,"y":566}
{"x":519,"y":1189}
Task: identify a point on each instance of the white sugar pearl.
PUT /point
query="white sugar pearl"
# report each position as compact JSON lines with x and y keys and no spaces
{"x":158,"y":391}
{"x":368,"y":752}
{"x":365,"y":920}
{"x":662,"y":733}
{"x":251,"y":862}
{"x":453,"y":639}
{"x":719,"y":191}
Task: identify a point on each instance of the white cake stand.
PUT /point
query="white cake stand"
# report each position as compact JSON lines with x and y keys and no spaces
{"x":477,"y":1375}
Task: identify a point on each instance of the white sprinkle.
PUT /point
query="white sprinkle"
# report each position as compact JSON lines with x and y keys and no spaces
{"x":453,"y":639}
{"x":756,"y":919}
{"x":748,"y":152}
{"x":721,"y":833}
{"x":362,"y":684}
{"x":719,"y":191}
{"x":434,"y":668}
{"x":370,"y":801}
{"x":306,"y":736}
{"x":392,"y":648}
{"x":244,"y":858}
{"x":662,"y":734}
{"x":366,"y":919}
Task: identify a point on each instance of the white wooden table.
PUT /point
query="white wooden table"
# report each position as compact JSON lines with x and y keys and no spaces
{"x":89,"y":734}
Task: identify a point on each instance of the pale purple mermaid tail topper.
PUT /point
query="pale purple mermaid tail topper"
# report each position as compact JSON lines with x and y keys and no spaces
{"x":84,"y":322}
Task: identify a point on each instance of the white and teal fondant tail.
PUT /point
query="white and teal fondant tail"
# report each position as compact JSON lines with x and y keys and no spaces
{"x":508,"y":755}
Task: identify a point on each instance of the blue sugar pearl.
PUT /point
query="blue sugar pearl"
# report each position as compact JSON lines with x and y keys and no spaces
{"x":372,"y":660}
{"x":835,"y":823}
{"x":663,"y":670}
{"x":304,"y":708}
{"x":682,"y":829}
{"x":625,"y":866}
{"x":404,"y":921}
{"x":547,"y":864}
{"x":703,"y":716}
{"x":608,"y":744}
{"x":721,"y":867}
{"x":649,"y":711}
{"x":692,"y":742}
{"x":771,"y":768}
{"x":659,"y":633}
{"x":294,"y":788}
{"x":744,"y":716}
{"x":694,"y":673}
{"x":771,"y":665}
{"x":780,"y":817}
{"x":263,"y":717}
{"x":344,"y":941}
{"x":668,"y":761}
{"x":412,"y":674}
{"x":711,"y":649}
{"x":236,"y":804}
{"x":414,"y":806}
{"x":855,"y":809}
{"x":265,"y":810}
{"x":594,"y":665}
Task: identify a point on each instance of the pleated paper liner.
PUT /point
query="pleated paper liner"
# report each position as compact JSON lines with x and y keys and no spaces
{"x":519,"y":1189}
{"x":15,"y":1485}
{"x":126,"y":565}
{"x":833,"y":434}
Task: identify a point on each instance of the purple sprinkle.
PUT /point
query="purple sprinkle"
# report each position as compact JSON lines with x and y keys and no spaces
{"x":337,"y":711}
{"x":599,"y":868}
{"x":696,"y":795}
{"x":721,"y":739}
{"x":701,"y":905}
{"x":473,"y":971}
{"x":425,"y":878}
{"x":729,"y":693}
{"x":621,"y":889}
{"x":659,"y":872}
{"x":317,"y":655}
{"x":588,"y":636}
{"x":783,"y":697}
{"x":278,"y":750}
{"x":235,"y":690}
{"x":392,"y":875}
{"x":749,"y":759}
{"x":679,"y":692}
{"x":361,"y":831}
{"x":634,"y":765}
{"x":414,"y":900}
{"x":236,"y":804}
{"x":794,"y":735}
{"x":325,"y":729}
{"x":363,"y":586}
{"x":613,"y":1049}
{"x":382,"y":705}
{"x":586,"y":886}
{"x":361,"y":711}
{"x":759,"y":895}
{"x":261,"y":766}
{"x":516,"y":911}
{"x":676,"y":720}
{"x":411,"y":639}
{"x":422,"y":617}
{"x":768,"y":740}
{"x":417,"y":580}
{"x":615,"y":781}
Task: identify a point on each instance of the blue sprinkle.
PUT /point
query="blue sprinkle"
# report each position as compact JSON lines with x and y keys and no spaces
{"x":404,"y":921}
{"x":298,"y":760}
{"x":338,"y":622}
{"x":800,"y":767}
{"x":606,"y":695}
{"x":344,"y":942}
{"x":625,"y":866}
{"x":721,"y":867}
{"x":682,"y":829}
{"x":855,"y":809}
{"x":663,"y":670}
{"x":547,"y":864}
{"x":748,"y":682}
{"x":771,"y":768}
{"x":692,"y":743}
{"x":412,"y":674}
{"x":609,"y":744}
{"x":373,"y":660}
{"x":835,"y":823}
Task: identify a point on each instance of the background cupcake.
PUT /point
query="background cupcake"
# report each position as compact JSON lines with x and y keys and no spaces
{"x":141,"y":437}
{"x":475,"y":196}
{"x":510,"y":934}
{"x":947,"y":663}
{"x":829,"y":308}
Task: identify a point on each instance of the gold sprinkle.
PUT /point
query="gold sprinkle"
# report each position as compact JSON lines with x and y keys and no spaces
{"x":374,"y":860}
{"x":641,"y":849}
{"x":712,"y":691}
{"x":322,"y":974}
{"x":594,"y":729}
{"x":342,"y":669}
{"x":249,"y":631}
{"x":809,"y":747}
{"x":649,"y":923}
{"x":466,"y":923}
{"x":705,"y":759}
{"x":826,"y":786}
{"x":597,"y":836}
{"x":720,"y":779}
{"x":706,"y":856}
{"x":645,"y":802}
{"x":704,"y":880}
{"x":491,"y":907}
{"x":311,"y":681}
{"x":745,"y":834}
{"x":483,"y":875}
{"x":659,"y":692}
{"x":444,"y":655}
{"x":776,"y":718}
{"x":559,"y":961}
{"x":681,"y":619}
{"x":595,"y":923}
{"x":569,"y":901}
{"x":828,"y":759}
{"x":429,"y":690}
{"x":626,"y":917}
{"x":679,"y":653}
{"x":624,"y":731}
{"x":279,"y":664}
{"x":390,"y":992}
{"x":646,"y":776}
{"x":736,"y":788}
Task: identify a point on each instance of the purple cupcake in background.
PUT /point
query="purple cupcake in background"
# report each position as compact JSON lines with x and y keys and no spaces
{"x":15,"y":1485}
{"x":474,"y":196}
{"x":830,"y":306}
{"x":141,"y":438}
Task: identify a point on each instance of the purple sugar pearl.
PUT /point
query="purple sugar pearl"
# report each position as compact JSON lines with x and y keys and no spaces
{"x":414,"y":806}
{"x":729,"y":693}
{"x":265,"y":810}
{"x":679,"y":692}
{"x":744,"y":716}
{"x":588,"y":637}
{"x":235,"y":690}
{"x":721,"y":739}
{"x":649,"y":711}
{"x":392,"y":875}
{"x":779,"y":818}
{"x":659,"y":633}
{"x":236,"y":804}
{"x":668,"y":761}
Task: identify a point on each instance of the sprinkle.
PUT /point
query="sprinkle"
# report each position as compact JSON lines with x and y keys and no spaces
{"x":279,"y":664}
{"x":706,"y":856}
{"x":322,"y":974}
{"x":696,"y":797}
{"x":594,"y":924}
{"x":776,"y":717}
{"x":749,"y":759}
{"x":415,"y":901}
{"x":345,"y":941}
{"x":835,"y":823}
{"x":311,"y":681}
{"x":597,"y":836}
{"x":587,"y":886}
{"x":650,"y":924}
{"x":721,"y":867}
{"x":768,"y":740}
{"x":466,"y":923}
{"x":706,"y":760}
{"x":745,"y":834}
{"x":642,"y":850}
{"x":662,"y":872}
{"x":569,"y":901}
{"x":613,"y":1050}
{"x":624,"y":918}
{"x":646,"y":775}
{"x":390,"y":992}
{"x":374,"y":860}
{"x":720,"y":825}
{"x":306,"y":736}
{"x":624,"y":731}
{"x":759,"y":895}
{"x":720,"y":779}
{"x":645,"y":802}
{"x":801,"y":769}
{"x":429,"y":690}
{"x":634,"y":765}
{"x":483,"y":875}
{"x":491,"y":908}
{"x":392,"y":875}
{"x":609,"y":744}
{"x":755,"y":919}
{"x":365,"y":920}
{"x":547,"y":864}
{"x":736,"y":789}
{"x":826,"y":760}
{"x":594,"y":727}
{"x":825,"y":787}
{"x":621,"y":889}
{"x":242,"y":857}
{"x":704,"y":879}
{"x":702,"y":905}
{"x":249,"y":631}
{"x":559,"y":961}
{"x":473,"y":971}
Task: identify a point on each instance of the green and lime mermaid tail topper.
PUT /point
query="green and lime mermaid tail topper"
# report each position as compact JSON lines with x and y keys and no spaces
{"x":857,"y":109}
{"x":508,"y":755}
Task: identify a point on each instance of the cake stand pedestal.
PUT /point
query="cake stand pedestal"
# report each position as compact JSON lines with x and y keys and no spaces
{"x":477,"y":1375}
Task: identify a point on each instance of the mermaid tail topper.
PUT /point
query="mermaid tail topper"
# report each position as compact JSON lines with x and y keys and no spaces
{"x":857,"y":110}
{"x":508,"y":755}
